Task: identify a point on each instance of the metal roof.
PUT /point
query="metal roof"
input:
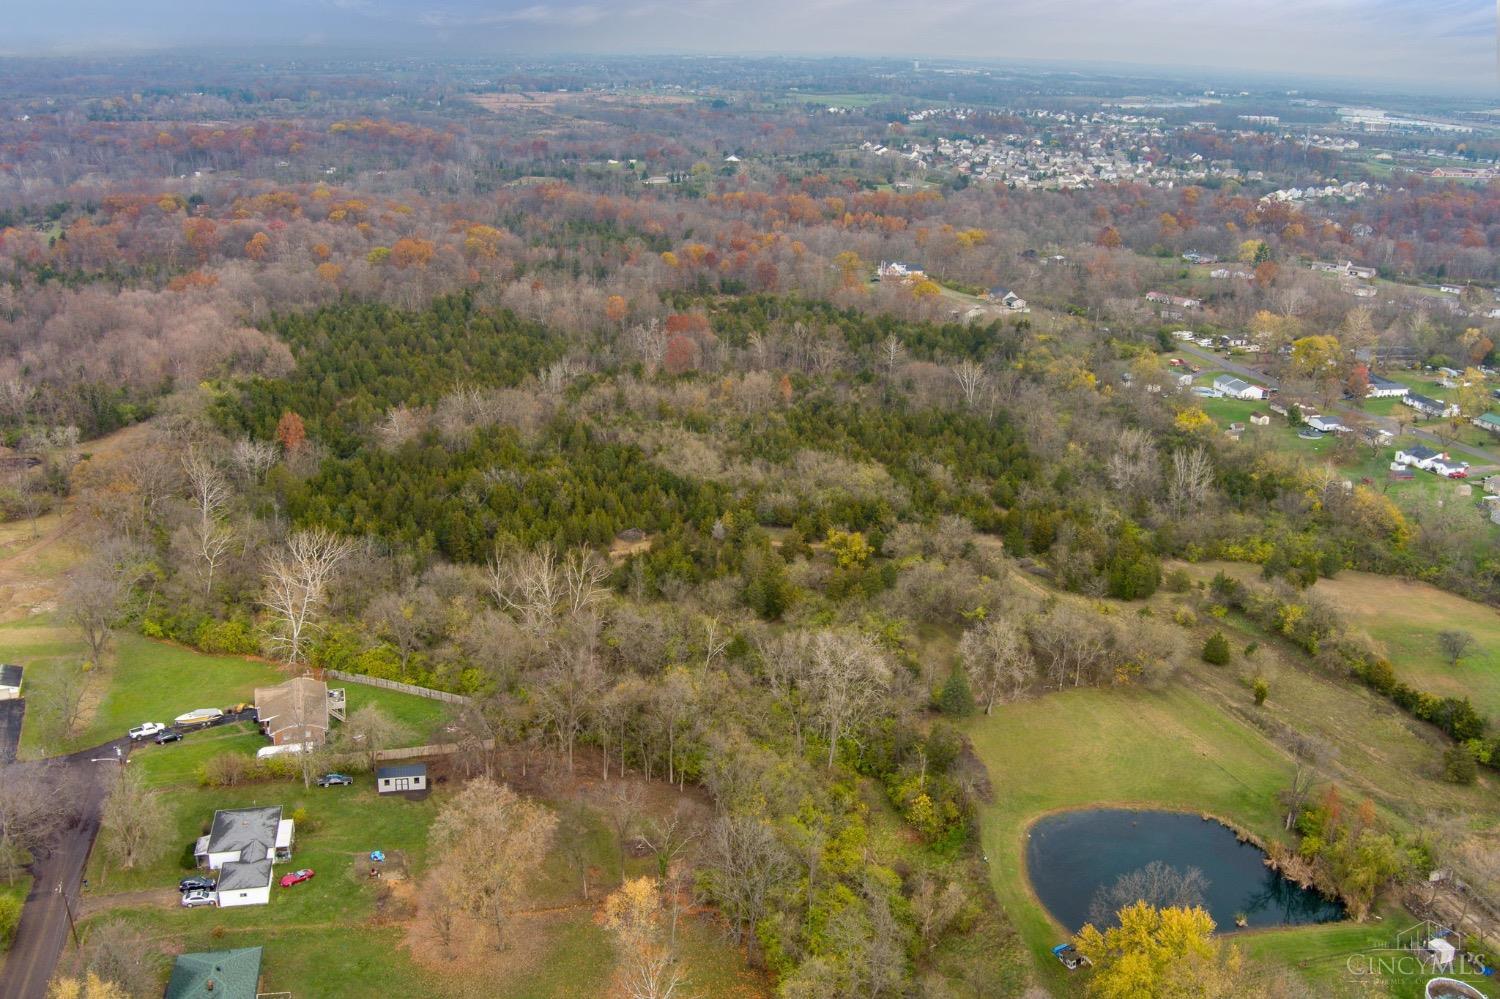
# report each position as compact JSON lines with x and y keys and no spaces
{"x":216,"y":974}
{"x":402,"y":770}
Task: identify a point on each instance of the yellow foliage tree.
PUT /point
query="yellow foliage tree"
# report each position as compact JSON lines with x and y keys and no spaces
{"x":850,"y":549}
{"x":88,"y":987}
{"x":1192,"y":420}
{"x":1161,"y":952}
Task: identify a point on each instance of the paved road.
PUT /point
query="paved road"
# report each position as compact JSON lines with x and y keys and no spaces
{"x":11,"y":713}
{"x":43,"y":931}
{"x":1480,"y":455}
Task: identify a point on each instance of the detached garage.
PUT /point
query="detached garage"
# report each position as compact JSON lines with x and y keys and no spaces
{"x":404,"y":777}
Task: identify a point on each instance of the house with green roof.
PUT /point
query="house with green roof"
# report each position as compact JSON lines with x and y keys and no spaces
{"x":216,"y":974}
{"x":1488,"y":421}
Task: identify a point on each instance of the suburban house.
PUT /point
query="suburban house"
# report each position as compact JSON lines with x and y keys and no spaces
{"x":216,"y":974}
{"x":1327,"y":424}
{"x":401,"y":777}
{"x":295,"y":712}
{"x":1225,"y":273}
{"x":245,"y":835}
{"x":1194,"y":257}
{"x":10,"y":681}
{"x":1419,"y":456}
{"x":1485,"y":421}
{"x":1449,"y":468}
{"x":1237,"y":388}
{"x":242,"y":845}
{"x":1435,"y":408}
{"x":1004,"y":296}
{"x":1384,"y":388}
{"x":897,"y":269}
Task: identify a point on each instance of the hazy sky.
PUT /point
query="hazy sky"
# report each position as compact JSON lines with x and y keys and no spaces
{"x":1441,"y":42}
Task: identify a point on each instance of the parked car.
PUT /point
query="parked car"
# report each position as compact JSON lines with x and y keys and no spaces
{"x":198,"y":896}
{"x":297,"y":877}
{"x":146,"y":730}
{"x":335,"y":780}
{"x":162,"y":738}
{"x":195,"y":884}
{"x":1069,"y":956}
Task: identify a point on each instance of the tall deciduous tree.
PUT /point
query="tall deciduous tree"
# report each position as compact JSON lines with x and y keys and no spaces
{"x":135,"y":828}
{"x":296,"y":586}
{"x":486,"y":844}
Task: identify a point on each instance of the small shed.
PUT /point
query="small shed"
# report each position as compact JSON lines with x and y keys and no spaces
{"x":1443,"y":953}
{"x":1260,"y":418}
{"x":401,"y":777}
{"x":10,"y":682}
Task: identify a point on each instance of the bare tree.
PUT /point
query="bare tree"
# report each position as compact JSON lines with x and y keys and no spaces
{"x":368,"y":730}
{"x":486,"y":843}
{"x":584,"y":575}
{"x":1455,"y":643}
{"x":744,"y":864}
{"x":297,"y":575}
{"x":892,"y":352}
{"x":93,"y":600}
{"x":1191,"y":478}
{"x":972,"y":380}
{"x":55,"y":696}
{"x":567,"y":694}
{"x":846,"y":677}
{"x":529,"y":584}
{"x":649,"y":341}
{"x":135,"y":827}
{"x":996,"y":658}
{"x":1158,"y":884}
{"x":1134,"y":466}
{"x":252,"y":459}
{"x":1312,"y":756}
{"x":209,"y":492}
{"x":934,"y":906}
{"x":118,"y":952}
{"x":33,"y":808}
{"x":408,"y":620}
{"x":30,"y":498}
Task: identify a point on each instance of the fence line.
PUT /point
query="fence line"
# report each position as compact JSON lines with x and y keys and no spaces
{"x":405,"y":688}
{"x":414,"y":752}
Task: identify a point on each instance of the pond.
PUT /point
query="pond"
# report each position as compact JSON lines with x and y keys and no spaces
{"x":1073,"y":856}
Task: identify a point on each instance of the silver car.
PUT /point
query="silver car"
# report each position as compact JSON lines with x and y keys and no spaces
{"x":199,"y":896}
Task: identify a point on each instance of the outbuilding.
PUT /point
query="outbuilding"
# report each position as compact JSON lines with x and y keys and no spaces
{"x":401,"y":777}
{"x":10,"y":681}
{"x":216,"y":974}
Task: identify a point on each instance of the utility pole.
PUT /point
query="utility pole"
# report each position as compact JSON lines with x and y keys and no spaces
{"x":68,"y":908}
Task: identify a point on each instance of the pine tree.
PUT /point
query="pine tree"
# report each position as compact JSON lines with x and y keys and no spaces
{"x":1216,"y":649}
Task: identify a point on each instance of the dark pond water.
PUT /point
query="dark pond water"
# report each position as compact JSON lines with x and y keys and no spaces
{"x":1071,"y":855}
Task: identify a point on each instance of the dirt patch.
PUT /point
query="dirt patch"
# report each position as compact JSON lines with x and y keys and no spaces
{"x":92,"y":904}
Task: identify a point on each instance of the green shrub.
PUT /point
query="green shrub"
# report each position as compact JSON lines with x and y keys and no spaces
{"x":10,"y":917}
{"x":224,"y":770}
{"x":231,"y":637}
{"x":1261,"y":689}
{"x":1216,"y":649}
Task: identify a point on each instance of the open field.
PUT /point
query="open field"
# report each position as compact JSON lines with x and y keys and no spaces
{"x":1407,"y":618}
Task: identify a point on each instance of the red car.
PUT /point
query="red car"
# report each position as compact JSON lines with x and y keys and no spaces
{"x":297,"y":877}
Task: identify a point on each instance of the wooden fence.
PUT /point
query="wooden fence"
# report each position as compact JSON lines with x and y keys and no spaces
{"x":417,"y":752}
{"x":405,"y":688}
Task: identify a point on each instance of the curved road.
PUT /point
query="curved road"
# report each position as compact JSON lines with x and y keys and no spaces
{"x":57,"y":873}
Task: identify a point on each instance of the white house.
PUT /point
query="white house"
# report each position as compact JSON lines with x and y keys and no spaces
{"x":1435,"y":408}
{"x":1449,"y":468}
{"x":1384,"y":388}
{"x":1237,"y":388}
{"x":1004,"y":296}
{"x":245,"y":835}
{"x":1327,"y":424}
{"x":1419,"y":456}
{"x":897,"y":269}
{"x":401,"y":777}
{"x":10,"y":682}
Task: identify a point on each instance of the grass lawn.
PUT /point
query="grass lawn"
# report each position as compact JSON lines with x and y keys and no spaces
{"x":1407,"y":617}
{"x":1080,"y":748}
{"x":148,"y":680}
{"x":335,"y":936}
